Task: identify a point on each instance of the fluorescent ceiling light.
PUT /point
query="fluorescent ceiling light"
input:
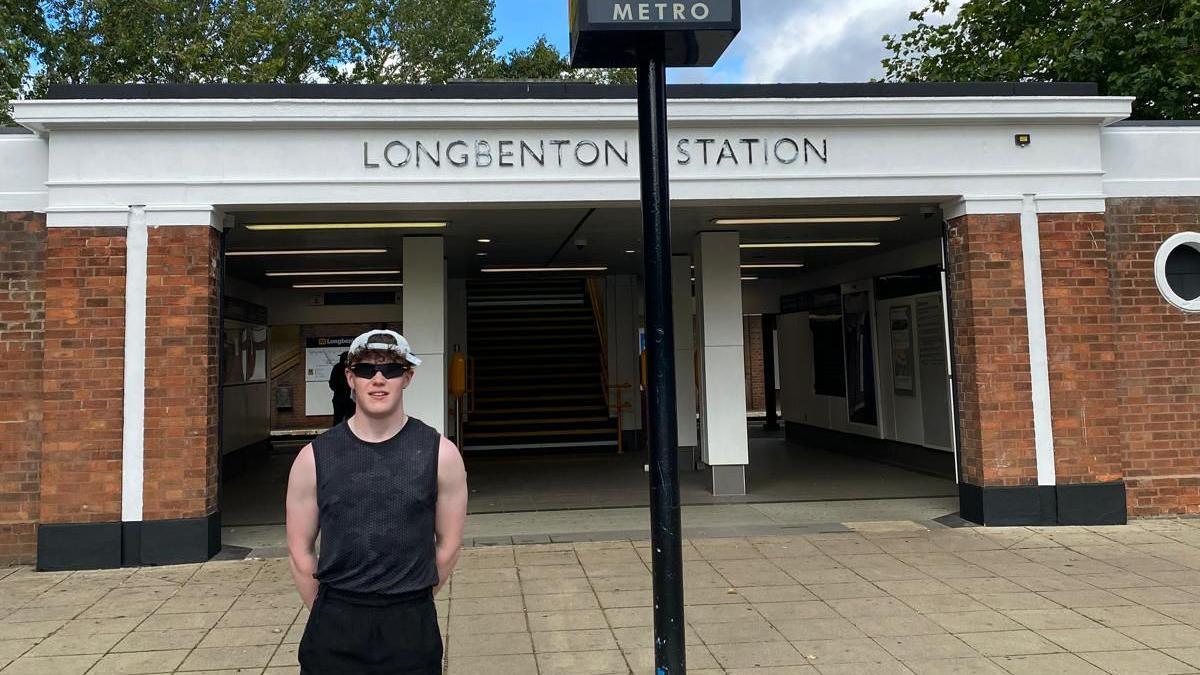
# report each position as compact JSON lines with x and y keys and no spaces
{"x":749,"y":278}
{"x":484,"y":241}
{"x":629,"y":250}
{"x":345,"y":226}
{"x":392,"y":285}
{"x":311,"y":251}
{"x":771,"y":266}
{"x":354,"y":273}
{"x":810,"y":244}
{"x":599,"y":268}
{"x":807,"y":220}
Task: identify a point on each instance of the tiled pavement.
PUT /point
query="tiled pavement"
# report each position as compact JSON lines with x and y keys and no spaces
{"x":889,"y":597}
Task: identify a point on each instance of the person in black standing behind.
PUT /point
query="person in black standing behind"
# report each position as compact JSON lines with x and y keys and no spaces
{"x":343,"y":404}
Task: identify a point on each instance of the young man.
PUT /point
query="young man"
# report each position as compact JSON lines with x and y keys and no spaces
{"x":388,"y":495}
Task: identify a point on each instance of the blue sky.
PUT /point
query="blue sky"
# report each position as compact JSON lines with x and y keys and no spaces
{"x":781,"y":40}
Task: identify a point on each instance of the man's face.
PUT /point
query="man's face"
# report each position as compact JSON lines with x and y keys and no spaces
{"x":377,"y":395}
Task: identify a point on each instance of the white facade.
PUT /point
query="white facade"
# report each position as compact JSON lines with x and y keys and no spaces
{"x":195,"y":161}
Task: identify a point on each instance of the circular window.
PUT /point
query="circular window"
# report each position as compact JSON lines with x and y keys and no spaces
{"x":1177,"y":270}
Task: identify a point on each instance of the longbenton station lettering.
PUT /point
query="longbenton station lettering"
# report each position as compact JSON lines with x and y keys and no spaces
{"x":563,"y":152}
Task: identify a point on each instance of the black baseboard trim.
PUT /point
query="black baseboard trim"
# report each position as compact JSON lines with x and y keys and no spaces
{"x":904,"y":455}
{"x":78,"y":546}
{"x":89,"y":546}
{"x":1076,"y":504}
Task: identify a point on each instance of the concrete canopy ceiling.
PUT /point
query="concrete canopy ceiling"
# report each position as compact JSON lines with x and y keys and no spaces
{"x":532,"y":236}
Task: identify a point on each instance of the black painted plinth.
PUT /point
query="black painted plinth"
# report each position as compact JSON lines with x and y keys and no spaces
{"x":1075,"y":504}
{"x":87,"y":546}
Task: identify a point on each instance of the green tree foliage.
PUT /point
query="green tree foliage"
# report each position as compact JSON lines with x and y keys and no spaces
{"x":157,"y":41}
{"x":1149,"y":49}
{"x":416,"y":41}
{"x":542,"y":61}
{"x":21,"y":31}
{"x":248,"y":41}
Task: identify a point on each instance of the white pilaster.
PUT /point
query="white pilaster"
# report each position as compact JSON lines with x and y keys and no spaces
{"x":1039,"y":361}
{"x":685,"y":343}
{"x":424,"y":299}
{"x":723,"y":436}
{"x":134,"y":413}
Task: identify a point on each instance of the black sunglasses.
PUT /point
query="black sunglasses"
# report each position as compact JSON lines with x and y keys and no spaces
{"x":390,"y":370}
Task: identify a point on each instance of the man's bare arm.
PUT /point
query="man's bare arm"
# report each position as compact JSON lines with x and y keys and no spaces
{"x":451,"y":517}
{"x":303,"y":524}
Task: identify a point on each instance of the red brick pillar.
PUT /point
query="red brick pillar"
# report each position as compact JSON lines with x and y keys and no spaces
{"x":81,"y":518}
{"x":999,"y":482}
{"x":997,"y":464}
{"x":82,"y":397}
{"x":1158,"y":359}
{"x":1080,"y":340}
{"x":22,"y":333}
{"x":181,"y":522}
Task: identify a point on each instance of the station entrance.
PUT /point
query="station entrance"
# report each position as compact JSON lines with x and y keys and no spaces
{"x":544,"y":304}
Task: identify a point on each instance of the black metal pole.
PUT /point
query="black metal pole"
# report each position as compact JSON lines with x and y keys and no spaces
{"x":768,"y":346}
{"x":665,"y":532}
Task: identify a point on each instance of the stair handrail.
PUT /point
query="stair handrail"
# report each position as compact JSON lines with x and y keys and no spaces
{"x":596,"y":300}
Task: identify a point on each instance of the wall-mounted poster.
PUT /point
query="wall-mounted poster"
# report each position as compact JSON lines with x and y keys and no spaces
{"x":245,"y":350}
{"x":903,"y":368}
{"x":321,"y":355}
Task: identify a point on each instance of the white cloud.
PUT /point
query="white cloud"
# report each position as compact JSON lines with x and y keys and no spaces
{"x":810,"y":41}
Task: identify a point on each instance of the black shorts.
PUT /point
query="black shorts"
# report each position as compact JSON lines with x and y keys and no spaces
{"x":371,"y":634}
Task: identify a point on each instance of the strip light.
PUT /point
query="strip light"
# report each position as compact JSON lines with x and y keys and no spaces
{"x":599,"y":268}
{"x":749,"y":278}
{"x":345,"y":226}
{"x":331,"y":272}
{"x":393,"y":285}
{"x":311,"y":251}
{"x":771,"y":266}
{"x":811,"y":244}
{"x":813,"y":220}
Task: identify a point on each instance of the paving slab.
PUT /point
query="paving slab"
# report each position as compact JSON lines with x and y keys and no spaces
{"x":871,"y":595}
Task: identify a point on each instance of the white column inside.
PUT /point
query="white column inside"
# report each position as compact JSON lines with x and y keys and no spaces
{"x":724,"y":442}
{"x":685,"y":365}
{"x":424,"y":299}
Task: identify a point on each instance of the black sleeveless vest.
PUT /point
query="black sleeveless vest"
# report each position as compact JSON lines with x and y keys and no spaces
{"x":377,"y":503}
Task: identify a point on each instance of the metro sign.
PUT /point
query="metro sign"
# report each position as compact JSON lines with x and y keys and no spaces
{"x":606,"y":33}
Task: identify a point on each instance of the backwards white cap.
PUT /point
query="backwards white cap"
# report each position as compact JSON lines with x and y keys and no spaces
{"x":369,"y":341}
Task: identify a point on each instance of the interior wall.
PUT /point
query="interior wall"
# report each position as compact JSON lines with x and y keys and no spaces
{"x":250,"y":411}
{"x":916,"y":410}
{"x":922,"y":416}
{"x":245,"y":408}
{"x":623,"y":315}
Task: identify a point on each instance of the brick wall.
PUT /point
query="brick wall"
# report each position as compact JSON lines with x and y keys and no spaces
{"x":1080,"y":341}
{"x":22,"y":325}
{"x":756,"y":397}
{"x":1158,"y":357}
{"x":992,"y":351}
{"x":181,"y":449}
{"x":83,"y":375}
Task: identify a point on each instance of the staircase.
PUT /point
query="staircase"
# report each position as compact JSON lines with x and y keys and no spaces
{"x":539,"y":382}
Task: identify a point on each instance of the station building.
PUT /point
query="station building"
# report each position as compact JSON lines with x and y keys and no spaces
{"x":997,"y":283}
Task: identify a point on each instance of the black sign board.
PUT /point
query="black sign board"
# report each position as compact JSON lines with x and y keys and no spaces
{"x":606,"y":33}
